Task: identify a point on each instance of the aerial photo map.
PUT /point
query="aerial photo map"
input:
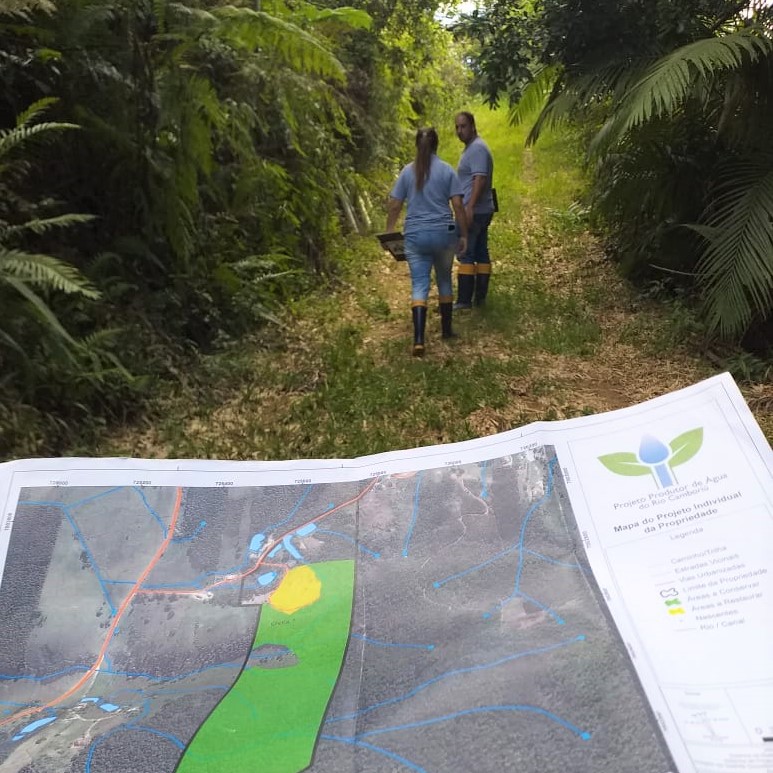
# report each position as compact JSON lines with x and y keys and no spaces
{"x":439,"y":620}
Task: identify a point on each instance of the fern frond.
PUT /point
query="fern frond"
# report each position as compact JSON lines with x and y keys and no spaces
{"x":180,"y":229}
{"x":670,"y":81}
{"x":41,"y":309}
{"x":25,"y":8}
{"x":187,"y":11}
{"x":44,"y":271}
{"x":121,"y":140}
{"x":43,"y":226}
{"x":35,"y":109}
{"x":345,"y":16}
{"x":737,"y":267}
{"x":297,"y":48}
{"x":10,"y":138}
{"x":159,"y":15}
{"x":12,"y":343}
{"x":257,"y":178}
{"x":87,"y":22}
{"x":98,"y":345}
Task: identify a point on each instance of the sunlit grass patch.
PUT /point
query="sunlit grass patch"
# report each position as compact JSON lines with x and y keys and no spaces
{"x":368,"y":403}
{"x":674,"y":327}
{"x":575,"y":333}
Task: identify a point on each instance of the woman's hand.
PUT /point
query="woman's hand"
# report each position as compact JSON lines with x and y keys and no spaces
{"x":461,"y":245}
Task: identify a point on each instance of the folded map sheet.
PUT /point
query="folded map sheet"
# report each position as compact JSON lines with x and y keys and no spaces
{"x":584,"y":596}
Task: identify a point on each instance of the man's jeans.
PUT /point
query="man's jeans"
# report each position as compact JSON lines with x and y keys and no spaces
{"x":427,"y":249}
{"x":477,"y":240}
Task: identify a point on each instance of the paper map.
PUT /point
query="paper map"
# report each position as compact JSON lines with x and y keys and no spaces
{"x":586,"y":595}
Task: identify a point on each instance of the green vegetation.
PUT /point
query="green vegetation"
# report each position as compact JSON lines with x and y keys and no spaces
{"x":562,"y":336}
{"x":676,"y":101}
{"x":269,"y":720}
{"x":220,"y":152}
{"x":219,"y":293}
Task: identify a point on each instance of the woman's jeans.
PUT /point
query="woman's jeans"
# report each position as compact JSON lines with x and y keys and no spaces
{"x":433,"y":247}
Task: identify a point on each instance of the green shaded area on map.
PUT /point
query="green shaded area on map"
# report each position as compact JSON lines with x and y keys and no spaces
{"x":270,"y":719}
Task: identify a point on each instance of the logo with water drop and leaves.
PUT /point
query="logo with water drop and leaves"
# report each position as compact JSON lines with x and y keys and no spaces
{"x":655,"y":457}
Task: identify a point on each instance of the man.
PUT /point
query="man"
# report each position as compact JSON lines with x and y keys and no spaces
{"x":476,"y":171}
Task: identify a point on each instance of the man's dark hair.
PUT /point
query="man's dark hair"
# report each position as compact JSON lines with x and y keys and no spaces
{"x":469,"y":116}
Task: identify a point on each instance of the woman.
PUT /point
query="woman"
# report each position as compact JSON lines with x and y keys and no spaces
{"x":431,"y":237}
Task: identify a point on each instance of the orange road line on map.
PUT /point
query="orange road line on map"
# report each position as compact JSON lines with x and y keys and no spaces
{"x":262,"y":555}
{"x":114,"y":624}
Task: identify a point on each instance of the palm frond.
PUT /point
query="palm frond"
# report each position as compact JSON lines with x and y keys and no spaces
{"x":737,"y":267}
{"x":44,"y":271}
{"x":672,"y":79}
{"x":535,"y":95}
{"x":573,"y":92}
{"x":557,"y":109}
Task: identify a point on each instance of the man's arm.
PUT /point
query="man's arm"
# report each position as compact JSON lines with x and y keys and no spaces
{"x":461,"y":221}
{"x":479,"y":184}
{"x":394,"y":206}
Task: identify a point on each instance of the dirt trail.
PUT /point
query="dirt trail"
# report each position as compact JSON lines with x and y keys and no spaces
{"x":624,"y":369}
{"x":637,"y":351}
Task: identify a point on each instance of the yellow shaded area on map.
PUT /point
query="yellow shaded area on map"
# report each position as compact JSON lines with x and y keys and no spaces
{"x":300,"y":588}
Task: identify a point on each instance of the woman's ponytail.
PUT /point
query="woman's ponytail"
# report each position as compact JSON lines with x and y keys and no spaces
{"x":426,"y":146}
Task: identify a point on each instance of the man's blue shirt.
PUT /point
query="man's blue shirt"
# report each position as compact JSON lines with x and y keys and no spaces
{"x":477,"y":160}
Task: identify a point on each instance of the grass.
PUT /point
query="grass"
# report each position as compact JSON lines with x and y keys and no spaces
{"x":561,"y":336}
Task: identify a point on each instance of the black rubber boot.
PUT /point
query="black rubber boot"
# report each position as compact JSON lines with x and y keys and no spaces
{"x":446,"y":315}
{"x":419,"y":324}
{"x":466,"y":286}
{"x":481,"y":286}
